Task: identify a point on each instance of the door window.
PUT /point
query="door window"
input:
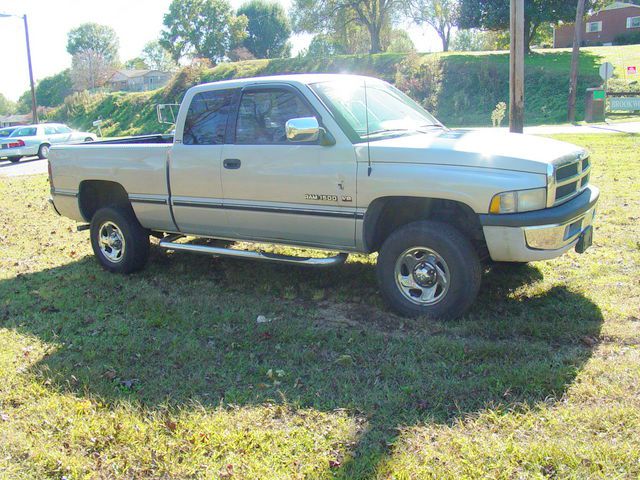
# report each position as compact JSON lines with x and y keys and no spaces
{"x":49,"y":131}
{"x":207,"y":116}
{"x":63,"y":129}
{"x":263,"y":114}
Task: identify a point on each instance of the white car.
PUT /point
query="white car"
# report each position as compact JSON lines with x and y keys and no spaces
{"x":32,"y":140}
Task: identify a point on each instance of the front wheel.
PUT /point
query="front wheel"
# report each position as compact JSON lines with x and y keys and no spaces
{"x":119,"y":242}
{"x":429,"y":268}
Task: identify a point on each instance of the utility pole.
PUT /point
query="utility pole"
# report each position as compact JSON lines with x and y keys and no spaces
{"x":575,"y":55}
{"x":516,"y":67}
{"x":34,"y":104}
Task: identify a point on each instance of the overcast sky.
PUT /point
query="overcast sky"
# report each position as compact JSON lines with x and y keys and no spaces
{"x":135,"y":21}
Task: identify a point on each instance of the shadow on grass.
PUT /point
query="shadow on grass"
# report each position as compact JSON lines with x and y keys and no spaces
{"x":185,"y":330}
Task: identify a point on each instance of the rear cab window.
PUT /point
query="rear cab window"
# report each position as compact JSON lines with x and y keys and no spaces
{"x":25,"y":132}
{"x":206,"y":122}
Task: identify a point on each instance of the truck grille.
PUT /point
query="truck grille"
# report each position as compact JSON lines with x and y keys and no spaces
{"x":570,"y":177}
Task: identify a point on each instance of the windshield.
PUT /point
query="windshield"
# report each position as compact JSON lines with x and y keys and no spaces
{"x":391,"y":112}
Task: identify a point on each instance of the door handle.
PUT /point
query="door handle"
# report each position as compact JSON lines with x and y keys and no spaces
{"x":231,"y":163}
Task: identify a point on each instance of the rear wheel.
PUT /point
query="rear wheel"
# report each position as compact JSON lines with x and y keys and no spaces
{"x":43,"y":151}
{"x":119,"y":242}
{"x":14,"y":159}
{"x":429,"y":268}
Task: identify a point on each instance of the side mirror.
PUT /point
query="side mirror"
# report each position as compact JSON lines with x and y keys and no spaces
{"x":304,"y":129}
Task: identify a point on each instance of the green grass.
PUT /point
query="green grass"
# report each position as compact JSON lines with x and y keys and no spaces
{"x":167,"y":374}
{"x":467,"y":88}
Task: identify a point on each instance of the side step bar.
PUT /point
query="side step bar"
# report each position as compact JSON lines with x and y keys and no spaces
{"x":169,"y":242}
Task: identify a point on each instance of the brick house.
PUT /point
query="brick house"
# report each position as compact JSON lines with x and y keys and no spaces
{"x":602,"y":27}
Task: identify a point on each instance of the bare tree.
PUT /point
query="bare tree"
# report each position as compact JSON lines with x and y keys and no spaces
{"x":441,"y":15}
{"x":90,"y":69}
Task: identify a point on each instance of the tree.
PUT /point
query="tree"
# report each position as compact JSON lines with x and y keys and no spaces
{"x":136,"y":63}
{"x":51,"y":91}
{"x":96,"y":38}
{"x":7,"y":107}
{"x":494,"y":14}
{"x":441,"y":15}
{"x":400,"y":42}
{"x":323,"y":45}
{"x":473,"y":40}
{"x":90,"y":69}
{"x":329,"y":16}
{"x":202,"y":28}
{"x":268,"y":29}
{"x":156,"y":57}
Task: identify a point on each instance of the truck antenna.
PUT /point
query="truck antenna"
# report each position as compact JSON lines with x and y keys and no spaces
{"x":366,"y":119}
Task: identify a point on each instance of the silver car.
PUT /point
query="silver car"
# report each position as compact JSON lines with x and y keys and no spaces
{"x":29,"y":140}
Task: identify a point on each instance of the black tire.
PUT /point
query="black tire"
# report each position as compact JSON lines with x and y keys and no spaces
{"x":43,"y":151}
{"x":14,"y":159}
{"x":88,"y":139}
{"x":461,"y":264}
{"x":135,"y":252}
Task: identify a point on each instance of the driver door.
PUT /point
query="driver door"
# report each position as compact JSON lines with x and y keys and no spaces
{"x":277,"y":190}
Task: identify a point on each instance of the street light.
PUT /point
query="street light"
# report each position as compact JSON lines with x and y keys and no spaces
{"x":34,"y":105}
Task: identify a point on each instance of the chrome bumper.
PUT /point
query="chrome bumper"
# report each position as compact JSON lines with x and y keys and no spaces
{"x":553,"y":237}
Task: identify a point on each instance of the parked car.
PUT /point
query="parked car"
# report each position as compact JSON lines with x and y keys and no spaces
{"x":29,"y":140}
{"x":336,"y":162}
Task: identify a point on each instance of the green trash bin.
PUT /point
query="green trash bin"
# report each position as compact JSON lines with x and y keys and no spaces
{"x":595,"y":105}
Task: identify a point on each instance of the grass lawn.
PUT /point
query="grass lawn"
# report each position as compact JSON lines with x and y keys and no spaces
{"x":167,"y":374}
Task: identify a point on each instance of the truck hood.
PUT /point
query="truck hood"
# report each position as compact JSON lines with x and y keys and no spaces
{"x":475,"y":148}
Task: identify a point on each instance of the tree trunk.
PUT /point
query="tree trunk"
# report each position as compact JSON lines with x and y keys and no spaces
{"x":444,"y":36}
{"x":374,"y":33}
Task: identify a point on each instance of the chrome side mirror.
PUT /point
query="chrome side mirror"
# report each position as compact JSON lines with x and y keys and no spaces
{"x":304,"y":129}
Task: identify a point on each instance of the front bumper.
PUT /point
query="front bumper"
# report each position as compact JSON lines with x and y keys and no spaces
{"x":541,"y":234}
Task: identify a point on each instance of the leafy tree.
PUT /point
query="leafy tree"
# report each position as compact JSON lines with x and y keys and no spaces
{"x":400,"y":42}
{"x":441,"y":15}
{"x":202,"y":28}
{"x":156,"y":57}
{"x":94,"y":37}
{"x":268,"y":29}
{"x":7,"y":107}
{"x":136,"y":63}
{"x":51,"y":91}
{"x":323,"y":45}
{"x":329,"y":16}
{"x":470,"y":40}
{"x":494,"y":14}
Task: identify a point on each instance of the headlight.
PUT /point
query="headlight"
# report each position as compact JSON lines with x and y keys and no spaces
{"x":519,"y":201}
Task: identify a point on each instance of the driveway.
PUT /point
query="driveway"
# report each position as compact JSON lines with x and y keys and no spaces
{"x":26,"y":166}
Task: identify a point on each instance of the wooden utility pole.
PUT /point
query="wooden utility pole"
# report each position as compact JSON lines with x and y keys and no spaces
{"x":575,"y":55}
{"x":516,"y":68}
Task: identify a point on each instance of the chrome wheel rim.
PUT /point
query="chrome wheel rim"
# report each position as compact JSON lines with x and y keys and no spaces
{"x":422,"y":276}
{"x":111,"y":241}
{"x":45,"y":151}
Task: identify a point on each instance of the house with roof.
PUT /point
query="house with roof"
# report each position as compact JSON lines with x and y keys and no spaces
{"x":602,"y":27}
{"x":138,"y":80}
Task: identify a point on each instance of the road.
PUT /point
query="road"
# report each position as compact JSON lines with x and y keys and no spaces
{"x":26,"y":166}
{"x":32,"y":165}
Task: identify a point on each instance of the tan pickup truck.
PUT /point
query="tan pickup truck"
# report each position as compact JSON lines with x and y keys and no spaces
{"x":335,"y":162}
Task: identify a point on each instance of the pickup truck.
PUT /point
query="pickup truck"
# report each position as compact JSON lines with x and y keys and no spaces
{"x":334,"y":162}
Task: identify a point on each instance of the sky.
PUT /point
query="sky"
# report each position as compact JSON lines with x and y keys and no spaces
{"x":135,"y":21}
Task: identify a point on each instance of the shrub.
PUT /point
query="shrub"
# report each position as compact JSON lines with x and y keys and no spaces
{"x":630,"y":38}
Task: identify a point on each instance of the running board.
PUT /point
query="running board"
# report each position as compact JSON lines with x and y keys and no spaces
{"x":169,"y":242}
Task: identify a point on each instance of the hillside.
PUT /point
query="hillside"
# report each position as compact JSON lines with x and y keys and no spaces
{"x":460,"y":88}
